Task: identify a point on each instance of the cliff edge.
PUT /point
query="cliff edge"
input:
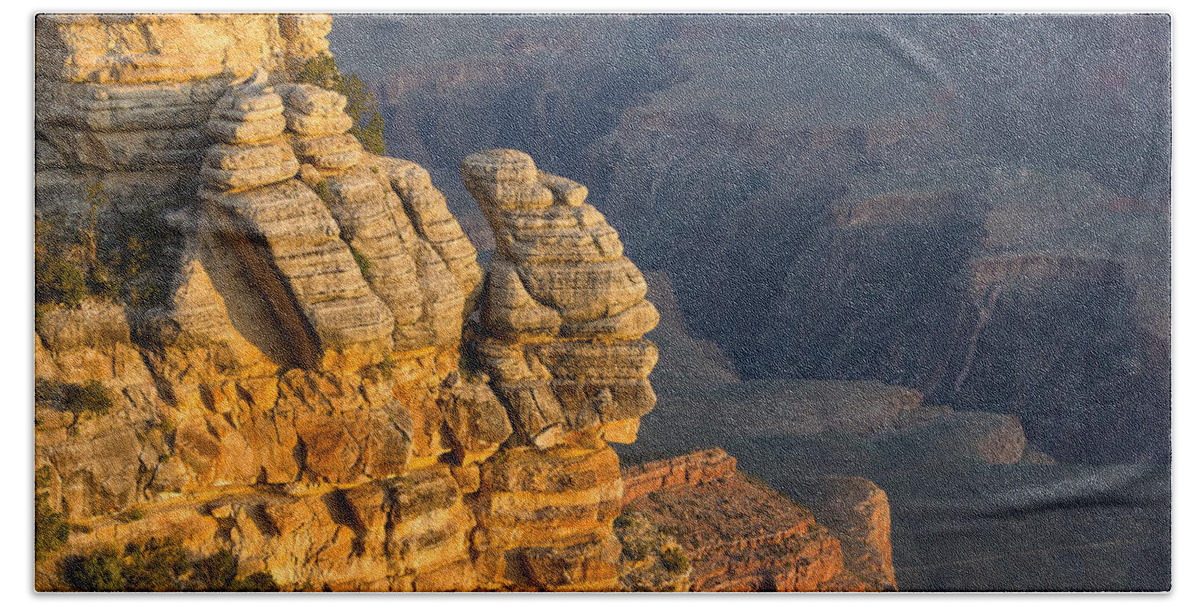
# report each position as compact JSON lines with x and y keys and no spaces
{"x":260,"y":345}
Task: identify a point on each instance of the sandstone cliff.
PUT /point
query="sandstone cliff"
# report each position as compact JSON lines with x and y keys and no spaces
{"x":303,"y":373}
{"x":297,"y":389}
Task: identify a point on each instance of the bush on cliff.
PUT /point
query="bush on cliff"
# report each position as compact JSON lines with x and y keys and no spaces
{"x":159,"y":565}
{"x":98,"y":571}
{"x":90,"y":396}
{"x":50,"y":528}
{"x":651,"y":560}
{"x":323,"y":72}
{"x":674,"y":560}
{"x":111,"y":254}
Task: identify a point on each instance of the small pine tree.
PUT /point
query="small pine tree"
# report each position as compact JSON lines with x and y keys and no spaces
{"x":323,"y":72}
{"x":111,"y":253}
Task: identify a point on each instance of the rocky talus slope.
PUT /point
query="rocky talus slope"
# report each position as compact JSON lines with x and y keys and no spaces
{"x":319,"y":378}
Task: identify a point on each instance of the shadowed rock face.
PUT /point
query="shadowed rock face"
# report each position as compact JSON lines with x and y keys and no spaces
{"x":845,"y":211}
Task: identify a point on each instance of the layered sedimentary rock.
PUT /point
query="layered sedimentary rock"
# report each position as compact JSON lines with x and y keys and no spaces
{"x":857,"y":512}
{"x":559,"y":334}
{"x":293,"y":392}
{"x":564,"y":310}
{"x":545,"y":519}
{"x":123,"y":99}
{"x":316,"y":288}
{"x":290,"y":393}
{"x":742,"y":536}
{"x":322,"y":381}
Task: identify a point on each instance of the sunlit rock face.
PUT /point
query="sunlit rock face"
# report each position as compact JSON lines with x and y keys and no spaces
{"x":322,"y":380}
{"x":563,"y":311}
{"x":559,"y":334}
{"x":293,"y":391}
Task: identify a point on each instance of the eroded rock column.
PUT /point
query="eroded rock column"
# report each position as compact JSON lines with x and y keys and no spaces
{"x":559,"y":333}
{"x":563,"y":310}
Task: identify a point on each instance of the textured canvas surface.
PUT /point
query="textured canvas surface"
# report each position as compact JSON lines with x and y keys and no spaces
{"x":633,"y":302}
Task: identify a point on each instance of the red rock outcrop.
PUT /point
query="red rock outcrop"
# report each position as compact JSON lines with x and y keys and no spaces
{"x":743,"y":536}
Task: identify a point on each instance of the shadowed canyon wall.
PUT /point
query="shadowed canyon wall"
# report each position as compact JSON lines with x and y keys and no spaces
{"x":928,"y":250}
{"x":908,"y":199}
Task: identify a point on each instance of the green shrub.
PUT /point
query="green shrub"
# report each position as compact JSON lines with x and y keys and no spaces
{"x":169,"y":431}
{"x":364,"y":264}
{"x":68,"y":283}
{"x":322,"y":190}
{"x":135,"y":256}
{"x":88,"y":397}
{"x":98,"y":571}
{"x":387,"y":366}
{"x":368,"y":126}
{"x":134,"y":513}
{"x":112,"y":254}
{"x":259,"y":582}
{"x":623,"y":521}
{"x":50,"y":528}
{"x":674,"y":561}
{"x":636,"y":551}
{"x":45,"y":392}
{"x":156,"y":565}
{"x":66,"y":253}
{"x":159,"y":565}
{"x":216,"y":572}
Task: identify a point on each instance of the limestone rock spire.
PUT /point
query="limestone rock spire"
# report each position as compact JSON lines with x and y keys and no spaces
{"x":563,"y":310}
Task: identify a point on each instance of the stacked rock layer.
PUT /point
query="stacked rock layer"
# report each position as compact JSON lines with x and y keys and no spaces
{"x":299,"y":395}
{"x":559,"y":336}
{"x":742,"y":536}
{"x":564,"y":310}
{"x":329,"y":387}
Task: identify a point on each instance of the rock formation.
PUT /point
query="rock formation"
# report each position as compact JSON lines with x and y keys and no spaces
{"x":564,"y":310}
{"x":297,"y":393}
{"x":559,"y":334}
{"x":316,"y":376}
{"x":742,"y":536}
